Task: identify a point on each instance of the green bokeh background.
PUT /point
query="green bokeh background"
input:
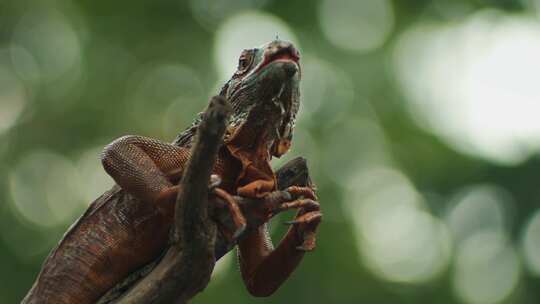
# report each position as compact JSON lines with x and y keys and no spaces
{"x":75,"y":75}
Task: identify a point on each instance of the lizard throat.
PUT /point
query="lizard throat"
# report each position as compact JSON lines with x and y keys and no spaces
{"x":256,"y":177}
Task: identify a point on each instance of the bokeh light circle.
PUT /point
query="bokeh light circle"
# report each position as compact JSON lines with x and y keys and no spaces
{"x":474,"y":83}
{"x":25,"y":64}
{"x":531,"y":244}
{"x":363,"y":138}
{"x":93,"y":180}
{"x":478,"y":208}
{"x":209,"y":13}
{"x":13,"y":99}
{"x":322,"y":86}
{"x":175,"y":92}
{"x":44,"y":189}
{"x":46,"y":39}
{"x":487,"y":268}
{"x":356,"y":25}
{"x":246,"y":30}
{"x":398,"y":240}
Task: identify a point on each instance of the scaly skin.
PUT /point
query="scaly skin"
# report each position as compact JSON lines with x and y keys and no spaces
{"x":128,"y":226}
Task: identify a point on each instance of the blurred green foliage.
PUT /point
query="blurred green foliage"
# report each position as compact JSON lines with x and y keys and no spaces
{"x":74,"y":75}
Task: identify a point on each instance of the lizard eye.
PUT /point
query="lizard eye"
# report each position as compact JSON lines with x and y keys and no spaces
{"x":244,"y":62}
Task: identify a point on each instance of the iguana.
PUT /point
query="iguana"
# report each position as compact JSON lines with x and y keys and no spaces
{"x":128,"y":226}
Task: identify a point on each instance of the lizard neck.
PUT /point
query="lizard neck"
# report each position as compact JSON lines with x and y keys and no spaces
{"x":244,"y":160}
{"x":244,"y":171}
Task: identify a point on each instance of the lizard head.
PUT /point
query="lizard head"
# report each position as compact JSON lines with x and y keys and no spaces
{"x":264,"y":94}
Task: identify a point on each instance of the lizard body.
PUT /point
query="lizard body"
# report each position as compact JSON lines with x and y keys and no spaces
{"x":128,"y":226}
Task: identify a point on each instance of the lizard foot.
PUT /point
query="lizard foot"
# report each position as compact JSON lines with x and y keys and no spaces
{"x":294,"y":197}
{"x":306,"y":225}
{"x":308,"y":218}
{"x":306,"y":192}
{"x":304,"y":203}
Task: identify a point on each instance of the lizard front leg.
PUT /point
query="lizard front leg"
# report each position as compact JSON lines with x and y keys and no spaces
{"x":145,"y":167}
{"x":264,"y":268}
{"x":149,"y":170}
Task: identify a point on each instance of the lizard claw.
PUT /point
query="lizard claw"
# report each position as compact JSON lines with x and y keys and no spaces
{"x":302,"y":192}
{"x":306,"y":218}
{"x":306,"y":225}
{"x":306,"y":204}
{"x":294,"y":197}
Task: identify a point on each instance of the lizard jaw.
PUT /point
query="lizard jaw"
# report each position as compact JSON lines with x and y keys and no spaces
{"x":286,"y":55}
{"x":282,"y":52}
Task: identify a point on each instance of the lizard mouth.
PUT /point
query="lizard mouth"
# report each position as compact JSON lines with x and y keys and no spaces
{"x":286,"y":54}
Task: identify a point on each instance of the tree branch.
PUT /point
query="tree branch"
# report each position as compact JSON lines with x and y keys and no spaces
{"x":188,"y":263}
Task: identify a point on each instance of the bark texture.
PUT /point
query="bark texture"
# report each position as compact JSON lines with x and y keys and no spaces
{"x":186,"y":267}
